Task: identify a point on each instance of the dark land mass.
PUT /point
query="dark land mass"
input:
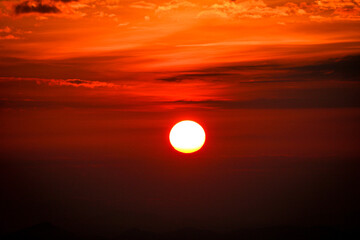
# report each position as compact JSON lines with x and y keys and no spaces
{"x":48,"y":231}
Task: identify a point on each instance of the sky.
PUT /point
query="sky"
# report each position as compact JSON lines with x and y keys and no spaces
{"x":89,"y":91}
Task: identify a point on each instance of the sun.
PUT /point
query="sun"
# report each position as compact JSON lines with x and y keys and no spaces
{"x":187,"y":136}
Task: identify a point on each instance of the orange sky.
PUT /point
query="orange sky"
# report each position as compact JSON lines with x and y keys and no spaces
{"x":130,"y":45}
{"x":177,"y":55}
{"x":90,"y":89}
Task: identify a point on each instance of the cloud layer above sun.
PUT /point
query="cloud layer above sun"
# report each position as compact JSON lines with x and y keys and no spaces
{"x":318,"y":9}
{"x":189,"y":54}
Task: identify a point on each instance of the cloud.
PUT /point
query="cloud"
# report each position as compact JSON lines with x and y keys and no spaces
{"x":344,"y":69}
{"x":57,"y":7}
{"x":234,"y":9}
{"x":5,"y":30}
{"x":62,"y":82}
{"x":8,"y":37}
{"x":287,"y":98}
{"x":65,"y":1}
{"x":175,"y":4}
{"x":35,"y":7}
{"x":335,"y":69}
{"x":123,"y":24}
{"x":78,"y":83}
{"x":143,"y":5}
{"x":5,"y":34}
{"x":245,"y":9}
{"x":194,"y":76}
{"x":328,"y":10}
{"x":331,"y":83}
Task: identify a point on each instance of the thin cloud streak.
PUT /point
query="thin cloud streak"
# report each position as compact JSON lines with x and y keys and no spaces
{"x":62,"y":82}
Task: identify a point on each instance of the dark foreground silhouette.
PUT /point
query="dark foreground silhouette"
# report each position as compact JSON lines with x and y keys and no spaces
{"x":50,"y":232}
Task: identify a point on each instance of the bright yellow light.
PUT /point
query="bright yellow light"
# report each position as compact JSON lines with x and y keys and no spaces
{"x":187,"y":136}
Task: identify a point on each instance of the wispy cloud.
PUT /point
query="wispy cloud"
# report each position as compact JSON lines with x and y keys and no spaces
{"x":175,"y":4}
{"x":35,"y":7}
{"x":337,"y":69}
{"x":9,"y":37}
{"x":143,"y":5}
{"x":233,"y":9}
{"x":300,"y":98}
{"x":5,"y":30}
{"x":45,"y":7}
{"x":62,"y":82}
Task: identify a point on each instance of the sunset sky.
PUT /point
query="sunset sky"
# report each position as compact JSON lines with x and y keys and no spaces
{"x":89,"y":91}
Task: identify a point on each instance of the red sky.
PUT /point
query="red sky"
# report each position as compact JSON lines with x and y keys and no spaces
{"x":90,"y":89}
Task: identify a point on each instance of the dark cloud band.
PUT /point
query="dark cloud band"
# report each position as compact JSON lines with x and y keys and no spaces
{"x":38,"y":6}
{"x":27,"y":7}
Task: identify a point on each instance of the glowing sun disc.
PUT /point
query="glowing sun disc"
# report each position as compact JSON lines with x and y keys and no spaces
{"x":187,"y":136}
